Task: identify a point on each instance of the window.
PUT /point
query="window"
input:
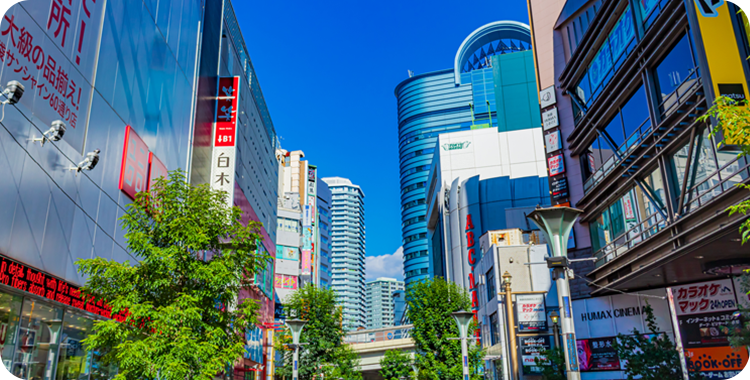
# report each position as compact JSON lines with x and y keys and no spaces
{"x":494,"y":337}
{"x":650,"y":9}
{"x":489,"y":278}
{"x":676,"y":75}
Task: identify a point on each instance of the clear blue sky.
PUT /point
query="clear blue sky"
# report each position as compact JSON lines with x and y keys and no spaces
{"x":328,"y":70}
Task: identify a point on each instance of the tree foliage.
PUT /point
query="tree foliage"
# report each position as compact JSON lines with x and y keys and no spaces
{"x":396,"y":365}
{"x":552,"y":363}
{"x":323,"y":351}
{"x":649,"y":356}
{"x":733,"y":122}
{"x":430,"y":306}
{"x":183,"y":319}
{"x":740,"y":335}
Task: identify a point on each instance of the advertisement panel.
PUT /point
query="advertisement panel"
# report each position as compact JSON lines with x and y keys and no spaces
{"x":556,"y":165}
{"x":532,"y":315}
{"x":306,"y":266}
{"x":158,"y":169}
{"x":532,"y":347}
{"x":707,"y":330}
{"x":552,"y":141}
{"x":559,"y":188}
{"x":598,"y":355}
{"x":135,"y":159}
{"x":705,"y":297}
{"x":550,"y":119}
{"x":226,"y":111}
{"x":51,"y":48}
{"x":547,"y":97}
{"x":716,"y":362}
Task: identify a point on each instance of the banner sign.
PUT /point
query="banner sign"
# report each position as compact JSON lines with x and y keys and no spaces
{"x":550,"y":119}
{"x":559,"y":188}
{"x":556,"y":165}
{"x":134,"y":170}
{"x":705,"y":297}
{"x":51,"y":47}
{"x":598,"y":355}
{"x":226,"y":111}
{"x":533,"y":347}
{"x":552,"y":141}
{"x":716,"y":362}
{"x":532,"y":315}
{"x":707,"y":330}
{"x":21,"y":277}
{"x":547,"y":97}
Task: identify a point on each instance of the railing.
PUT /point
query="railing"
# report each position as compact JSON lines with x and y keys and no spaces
{"x":646,"y":129}
{"x":378,"y":335}
{"x":734,"y":172}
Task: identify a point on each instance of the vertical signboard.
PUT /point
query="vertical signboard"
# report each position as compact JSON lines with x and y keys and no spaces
{"x":533,"y":349}
{"x":135,"y":161}
{"x":51,"y":47}
{"x":532,"y":315}
{"x":158,"y":169}
{"x":225,"y":135}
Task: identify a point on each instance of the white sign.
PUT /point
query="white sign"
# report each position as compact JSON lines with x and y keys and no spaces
{"x":607,"y":316}
{"x":552,"y":141}
{"x":531,"y":313}
{"x":547,"y":97}
{"x":556,"y":165}
{"x":549,"y":119}
{"x":307,"y":216}
{"x":705,"y":297}
{"x":222,"y":171}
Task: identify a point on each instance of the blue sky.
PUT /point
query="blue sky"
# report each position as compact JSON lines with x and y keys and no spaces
{"x":328,"y":70}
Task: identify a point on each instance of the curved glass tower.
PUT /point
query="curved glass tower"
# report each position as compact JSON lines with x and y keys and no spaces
{"x":449,"y":100}
{"x":348,"y":249}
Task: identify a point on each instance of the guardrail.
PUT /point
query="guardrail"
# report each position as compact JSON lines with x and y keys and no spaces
{"x":378,"y":335}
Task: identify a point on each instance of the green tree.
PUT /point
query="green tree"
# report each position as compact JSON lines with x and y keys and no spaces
{"x":552,"y":363}
{"x":183,"y":319}
{"x":649,"y":356}
{"x":396,"y":365}
{"x":740,"y":334}
{"x":324,"y":350}
{"x":431,"y":303}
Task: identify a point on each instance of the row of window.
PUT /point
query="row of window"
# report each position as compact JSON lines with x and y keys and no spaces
{"x":415,"y":255}
{"x":416,"y":237}
{"x":411,"y":221}
{"x":415,"y":272}
{"x":415,"y":186}
{"x":411,"y":204}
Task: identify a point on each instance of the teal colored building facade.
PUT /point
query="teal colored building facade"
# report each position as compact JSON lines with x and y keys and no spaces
{"x":492,"y":84}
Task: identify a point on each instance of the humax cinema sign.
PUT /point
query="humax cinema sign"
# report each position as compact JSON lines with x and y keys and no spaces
{"x":614,"y":313}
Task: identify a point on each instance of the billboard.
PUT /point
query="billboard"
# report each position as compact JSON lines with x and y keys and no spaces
{"x":598,"y":354}
{"x":532,"y":315}
{"x":556,"y":165}
{"x":704,"y":297}
{"x":532,"y":348}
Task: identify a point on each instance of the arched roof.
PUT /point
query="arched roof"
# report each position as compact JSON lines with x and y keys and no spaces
{"x":485,"y":34}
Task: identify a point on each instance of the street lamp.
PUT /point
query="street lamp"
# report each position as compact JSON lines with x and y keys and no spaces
{"x":295,"y":325}
{"x":511,"y":324}
{"x":463,"y":319}
{"x":556,"y":223}
{"x":555,"y":319}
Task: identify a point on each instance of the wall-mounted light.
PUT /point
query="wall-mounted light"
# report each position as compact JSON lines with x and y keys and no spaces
{"x":54,"y":133}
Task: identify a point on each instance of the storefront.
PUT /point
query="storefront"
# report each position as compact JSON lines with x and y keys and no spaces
{"x":43,"y":321}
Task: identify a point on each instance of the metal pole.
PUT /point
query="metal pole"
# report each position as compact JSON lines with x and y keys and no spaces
{"x":296,"y":360}
{"x":556,"y":332}
{"x":566,"y":320}
{"x":465,"y":355}
{"x":677,"y":334}
{"x":511,"y":331}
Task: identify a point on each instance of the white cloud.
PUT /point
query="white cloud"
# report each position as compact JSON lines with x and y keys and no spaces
{"x":385,"y":266}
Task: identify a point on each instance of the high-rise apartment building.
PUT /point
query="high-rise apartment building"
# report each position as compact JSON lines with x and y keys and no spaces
{"x":379,"y":301}
{"x":460,"y":98}
{"x":348,"y":249}
{"x":323,"y":246}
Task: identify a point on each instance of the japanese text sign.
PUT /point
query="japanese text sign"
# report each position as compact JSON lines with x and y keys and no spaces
{"x":552,"y":141}
{"x":135,"y":160}
{"x":532,"y":315}
{"x":226,"y":111}
{"x":157,"y":169}
{"x":705,"y":297}
{"x":556,"y":165}
{"x":51,"y":46}
{"x":222,"y":172}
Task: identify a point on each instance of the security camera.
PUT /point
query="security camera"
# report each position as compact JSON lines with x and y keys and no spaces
{"x":13,"y":92}
{"x":55,"y":133}
{"x":92,"y":158}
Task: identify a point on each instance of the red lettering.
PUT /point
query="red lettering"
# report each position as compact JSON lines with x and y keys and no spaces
{"x":472,"y":259}
{"x":18,"y":283}
{"x":474,"y":302}
{"x":472,"y":284}
{"x":469,"y":224}
{"x":470,"y":239}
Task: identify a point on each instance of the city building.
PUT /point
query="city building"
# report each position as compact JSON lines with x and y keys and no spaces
{"x":399,"y":307}
{"x":489,"y":79}
{"x":380,"y":302}
{"x":323,"y":264}
{"x":622,"y":85}
{"x":234,"y":150}
{"x":127,"y":120}
{"x":348,"y":249}
{"x":496,"y":177}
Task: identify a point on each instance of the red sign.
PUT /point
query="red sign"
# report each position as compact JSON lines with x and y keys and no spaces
{"x":158,"y":169}
{"x":43,"y":285}
{"x":472,"y":261}
{"x":226,"y":111}
{"x":135,"y":159}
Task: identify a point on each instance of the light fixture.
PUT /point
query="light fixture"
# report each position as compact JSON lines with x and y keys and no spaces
{"x":506,"y":278}
{"x":54,"y":133}
{"x":698,"y":257}
{"x":731,"y":267}
{"x":554,"y":317}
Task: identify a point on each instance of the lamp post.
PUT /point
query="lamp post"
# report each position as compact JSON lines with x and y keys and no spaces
{"x":511,"y":324}
{"x":555,"y":320}
{"x":556,"y":223}
{"x":463,"y":319}
{"x":295,"y":325}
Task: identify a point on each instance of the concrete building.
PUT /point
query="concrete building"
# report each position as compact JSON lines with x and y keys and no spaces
{"x":379,"y":302}
{"x":622,"y":85}
{"x":348,"y":249}
{"x":489,"y":85}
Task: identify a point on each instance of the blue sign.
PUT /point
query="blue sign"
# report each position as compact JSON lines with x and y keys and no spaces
{"x":572,"y":351}
{"x":566,"y":304}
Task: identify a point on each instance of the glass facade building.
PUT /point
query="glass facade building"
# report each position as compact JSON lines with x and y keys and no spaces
{"x":461,"y":98}
{"x":348,"y":249}
{"x":114,"y":72}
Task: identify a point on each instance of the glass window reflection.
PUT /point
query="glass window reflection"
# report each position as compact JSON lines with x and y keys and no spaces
{"x":38,"y":340}
{"x":675,"y":75}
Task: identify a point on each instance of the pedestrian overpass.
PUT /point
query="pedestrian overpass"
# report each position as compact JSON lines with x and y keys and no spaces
{"x":371,"y":345}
